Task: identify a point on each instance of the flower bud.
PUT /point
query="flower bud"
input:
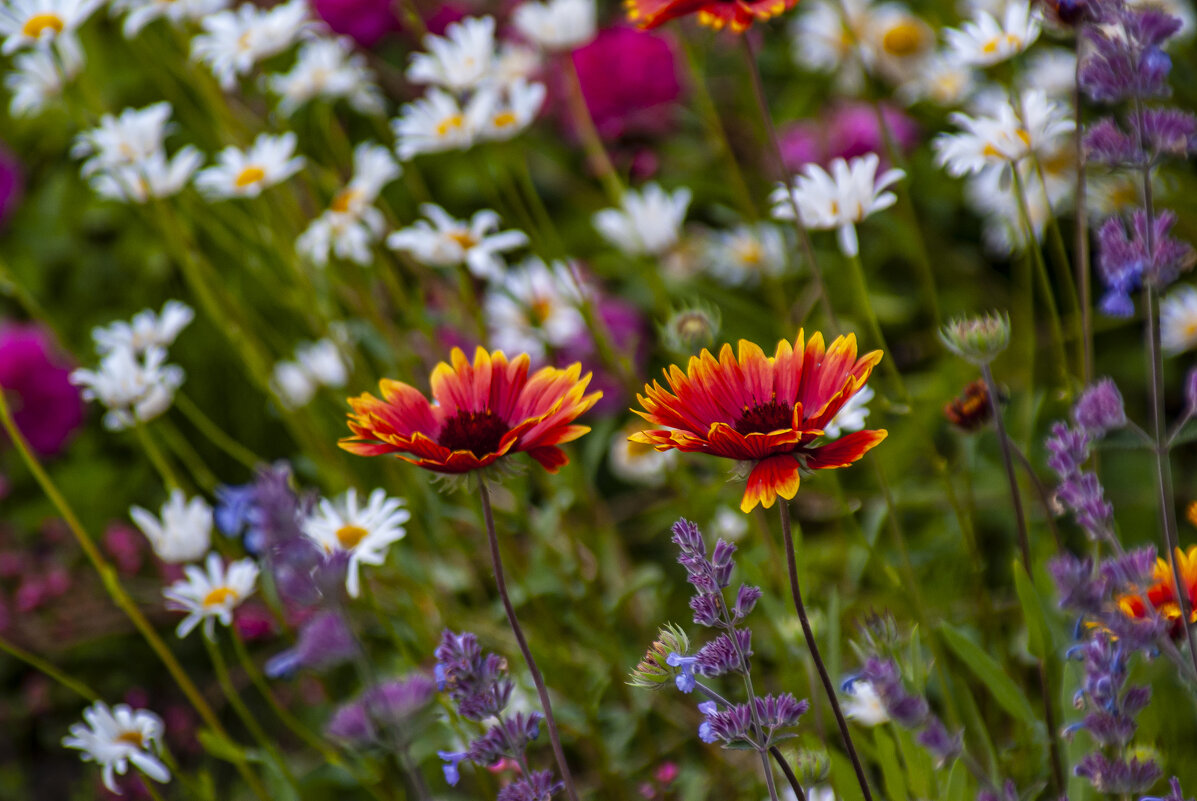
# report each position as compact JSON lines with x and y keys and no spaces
{"x":691,"y":328}
{"x":1099,"y":408}
{"x":654,"y":669}
{"x":977,"y":339}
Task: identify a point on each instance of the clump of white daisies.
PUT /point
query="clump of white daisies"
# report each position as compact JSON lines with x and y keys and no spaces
{"x":133,"y":381}
{"x":116,"y":737}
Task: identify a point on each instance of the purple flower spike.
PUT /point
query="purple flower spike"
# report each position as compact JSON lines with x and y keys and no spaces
{"x":324,"y":642}
{"x":538,"y":786}
{"x":1100,"y":408}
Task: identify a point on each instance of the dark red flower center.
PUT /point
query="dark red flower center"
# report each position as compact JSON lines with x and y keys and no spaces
{"x":764,"y":418}
{"x":477,"y":432}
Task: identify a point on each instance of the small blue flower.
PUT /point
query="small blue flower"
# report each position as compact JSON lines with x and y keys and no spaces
{"x":452,"y":758}
{"x":684,"y":680}
{"x":705,"y":732}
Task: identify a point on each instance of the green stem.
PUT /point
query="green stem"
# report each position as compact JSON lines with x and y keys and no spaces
{"x":37,"y":663}
{"x":215,"y":434}
{"x":251,"y":724}
{"x":592,"y":143}
{"x":157,"y":458}
{"x":121,"y":598}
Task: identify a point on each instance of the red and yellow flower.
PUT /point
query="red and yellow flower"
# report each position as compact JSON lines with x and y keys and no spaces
{"x":479,"y":413}
{"x":1161,"y":595}
{"x":735,"y":14}
{"x":768,"y":410}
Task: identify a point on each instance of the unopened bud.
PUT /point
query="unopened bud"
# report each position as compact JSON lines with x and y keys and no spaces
{"x":977,"y":339}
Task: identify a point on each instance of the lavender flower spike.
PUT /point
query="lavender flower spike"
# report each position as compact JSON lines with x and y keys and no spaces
{"x":1100,"y":408}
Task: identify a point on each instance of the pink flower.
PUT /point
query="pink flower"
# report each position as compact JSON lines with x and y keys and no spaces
{"x":126,"y":546}
{"x":47,"y":408}
{"x":630,"y":81}
{"x":366,"y":21}
{"x":253,"y":622}
{"x":847,"y":131}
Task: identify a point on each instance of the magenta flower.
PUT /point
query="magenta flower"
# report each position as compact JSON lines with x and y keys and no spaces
{"x":630,"y":81}
{"x":34,"y":375}
{"x":846,"y":131}
{"x":10,"y":184}
{"x":366,"y":21}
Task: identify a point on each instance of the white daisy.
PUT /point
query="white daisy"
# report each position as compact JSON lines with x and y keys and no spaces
{"x":1007,"y":137}
{"x":1052,"y":69}
{"x":516,"y":109}
{"x":448,"y":242}
{"x":851,"y":192}
{"x":39,"y":76}
{"x":649,"y":222}
{"x":364,"y":533}
{"x":328,"y":68}
{"x":1178,"y":319}
{"x":25,"y":23}
{"x":148,"y":329}
{"x":460,"y":60}
{"x":984,"y":41}
{"x":942,"y":80}
{"x":742,"y":255}
{"x":556,"y":25}
{"x":292,"y":384}
{"x":993,"y":195}
{"x":124,"y":140}
{"x":635,"y":463}
{"x":851,"y":416}
{"x":154,"y":177}
{"x":269,"y":160}
{"x":351,"y":224}
{"x":515,"y":61}
{"x":824,"y":38}
{"x":132,"y":389}
{"x":534,"y":306}
{"x":436,"y":123}
{"x":182,"y":533}
{"x":729,"y":524}
{"x":864,"y":705}
{"x":139,"y":13}
{"x":323,"y":362}
{"x":211,"y":594}
{"x":896,"y":42}
{"x":233,"y":41}
{"x":114,"y":737}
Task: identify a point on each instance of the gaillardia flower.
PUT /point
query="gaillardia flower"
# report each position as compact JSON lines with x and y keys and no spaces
{"x":1162,"y":593}
{"x":768,"y":410}
{"x":479,"y":413}
{"x":735,"y":14}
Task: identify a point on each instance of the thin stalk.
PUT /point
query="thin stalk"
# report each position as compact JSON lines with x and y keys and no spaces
{"x":1049,"y":713}
{"x":862,"y":289}
{"x":808,"y":250}
{"x":813,"y":647}
{"x":201,"y":474}
{"x":774,"y":751}
{"x":1024,"y":543}
{"x":251,"y":724}
{"x":710,"y":117}
{"x":1163,"y":461}
{"x":282,"y":713}
{"x":592,"y":143}
{"x":157,"y":458}
{"x":1045,"y":285}
{"x":1081,"y":248}
{"x":37,"y":663}
{"x":501,"y":582}
{"x":121,"y":598}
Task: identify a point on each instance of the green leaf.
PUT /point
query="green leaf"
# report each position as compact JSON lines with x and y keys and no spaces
{"x":991,"y":674}
{"x":843,"y":777}
{"x":891,"y":770}
{"x":1039,"y":638}
{"x":957,"y":788}
{"x":920,"y":771}
{"x":220,"y":747}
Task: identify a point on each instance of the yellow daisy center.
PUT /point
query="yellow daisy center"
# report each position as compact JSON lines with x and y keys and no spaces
{"x":504,"y":119}
{"x":450,"y":124}
{"x":349,"y":536}
{"x":344,"y":200}
{"x":463,"y":238}
{"x":132,"y":738}
{"x":540,"y":309}
{"x":750,"y":252}
{"x":250,"y":175}
{"x":38,"y":23}
{"x":220,"y":596}
{"x":904,"y":39}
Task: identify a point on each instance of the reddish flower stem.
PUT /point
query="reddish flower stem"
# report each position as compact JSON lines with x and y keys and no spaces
{"x":828,"y":686}
{"x":497,"y":562}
